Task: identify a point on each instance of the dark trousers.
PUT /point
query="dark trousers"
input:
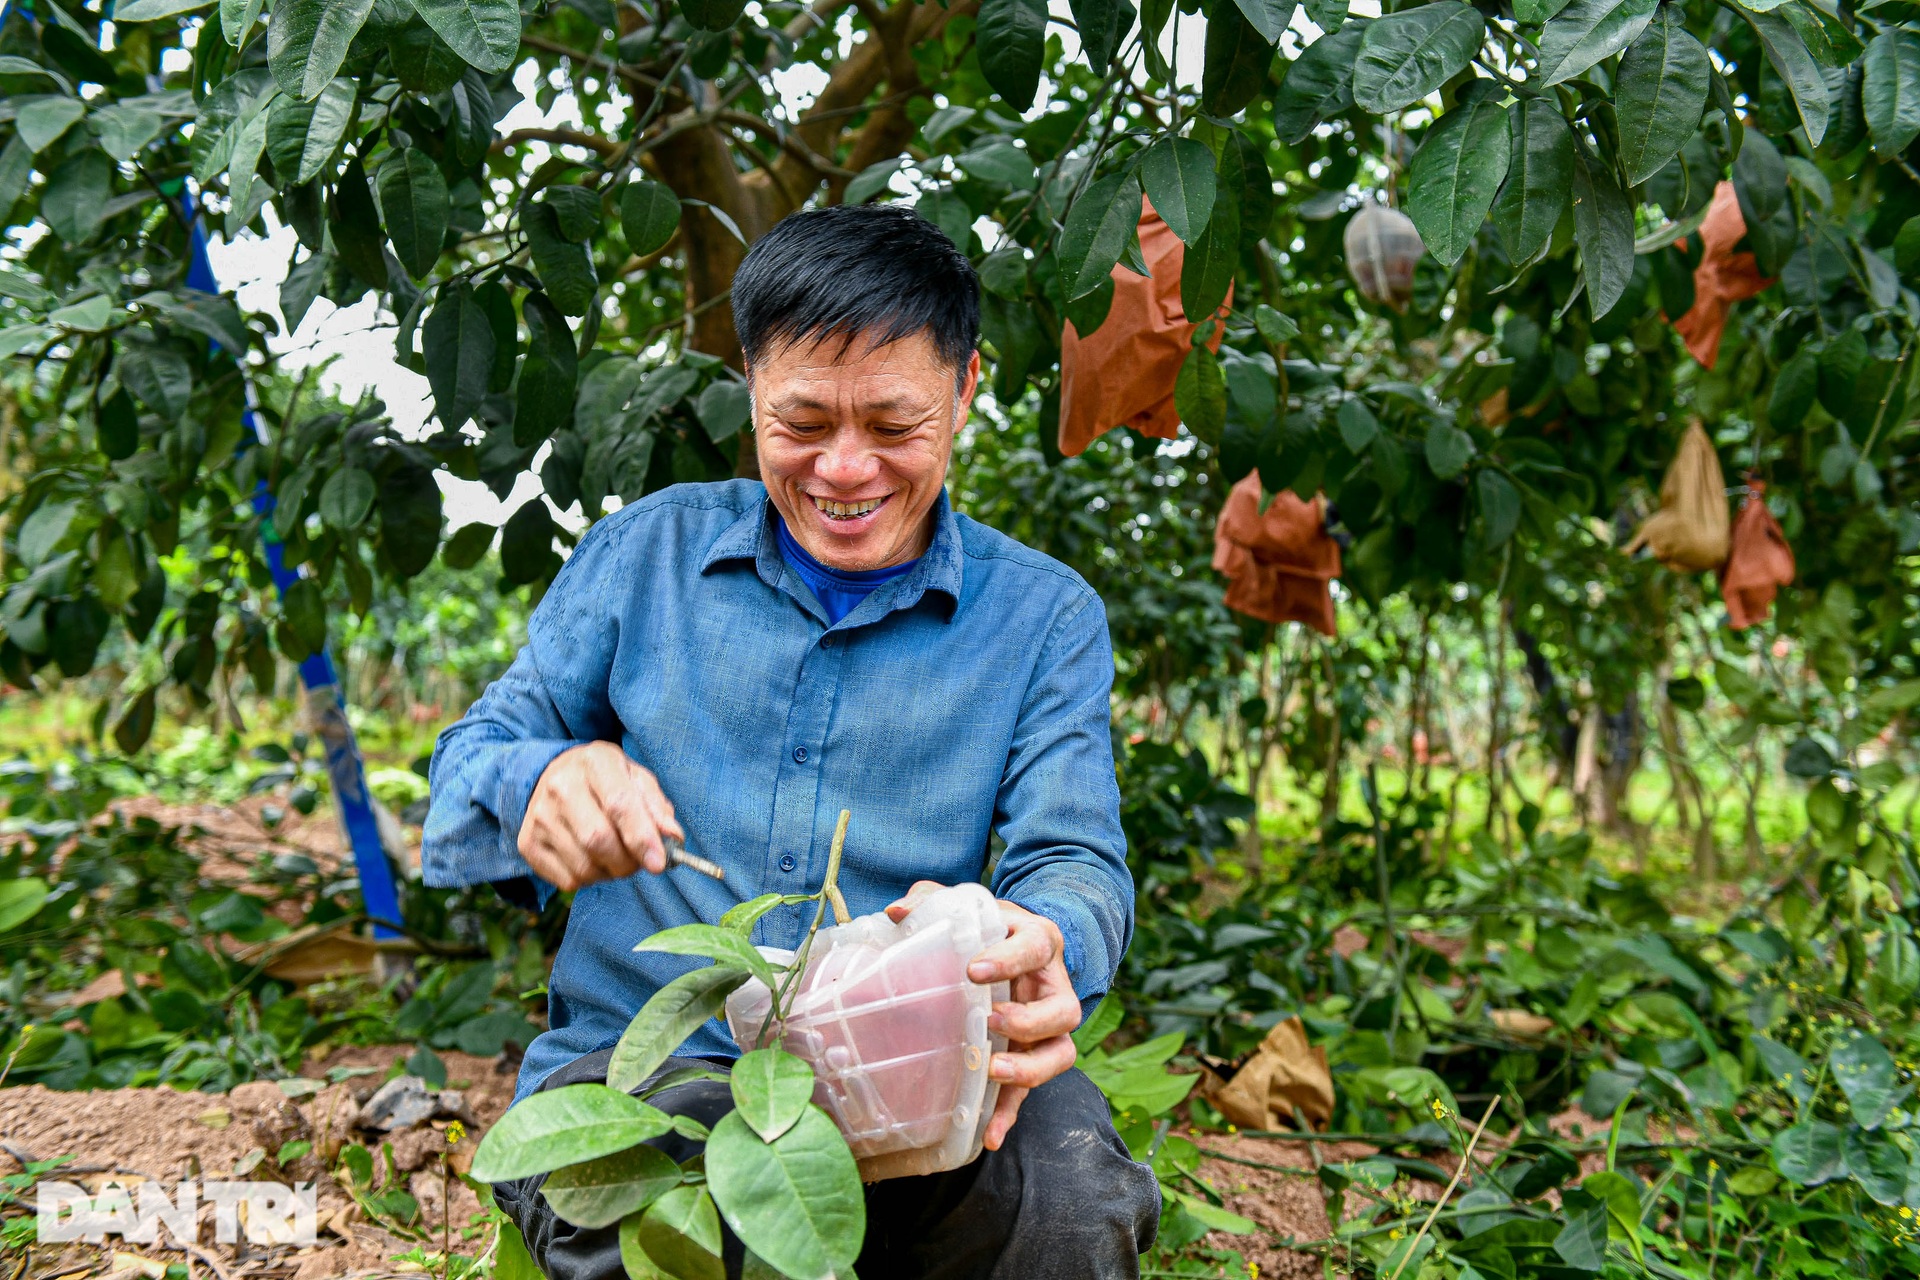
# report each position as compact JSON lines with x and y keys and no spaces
{"x":1060,"y":1200}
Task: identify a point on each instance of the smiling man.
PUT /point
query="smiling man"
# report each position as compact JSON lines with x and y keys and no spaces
{"x":733,"y":664}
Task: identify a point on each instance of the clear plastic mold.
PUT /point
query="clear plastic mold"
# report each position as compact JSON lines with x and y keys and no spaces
{"x":895,"y":1031}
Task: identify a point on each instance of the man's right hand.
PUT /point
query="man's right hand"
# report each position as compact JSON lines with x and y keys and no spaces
{"x":596,"y":815}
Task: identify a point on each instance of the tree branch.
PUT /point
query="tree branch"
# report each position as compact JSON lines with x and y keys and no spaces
{"x":605,"y":147}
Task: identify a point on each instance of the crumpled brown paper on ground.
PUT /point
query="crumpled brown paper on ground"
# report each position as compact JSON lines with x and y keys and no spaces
{"x":1759,"y":564}
{"x":1122,"y":373}
{"x":1688,"y":533}
{"x":1277,"y":563}
{"x":1284,"y":1074}
{"x":1722,"y":278}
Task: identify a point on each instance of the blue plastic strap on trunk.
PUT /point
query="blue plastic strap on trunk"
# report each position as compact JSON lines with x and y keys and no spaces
{"x":326,"y":701}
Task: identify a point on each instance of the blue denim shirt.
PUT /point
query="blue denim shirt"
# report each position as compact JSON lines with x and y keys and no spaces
{"x":967,"y":697}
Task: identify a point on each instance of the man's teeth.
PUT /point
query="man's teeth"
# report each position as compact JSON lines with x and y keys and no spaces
{"x":847,"y":510}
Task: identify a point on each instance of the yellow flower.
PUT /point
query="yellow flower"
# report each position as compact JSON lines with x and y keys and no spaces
{"x":456,"y":1134}
{"x":1905,"y":1212}
{"x":1439,"y":1110}
{"x":1233,"y":1128}
{"x":1253,"y":1271}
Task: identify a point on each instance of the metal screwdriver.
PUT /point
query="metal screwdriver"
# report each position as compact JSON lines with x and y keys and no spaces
{"x":677,"y":855}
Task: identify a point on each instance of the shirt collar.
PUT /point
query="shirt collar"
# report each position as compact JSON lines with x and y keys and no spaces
{"x":752,"y":537}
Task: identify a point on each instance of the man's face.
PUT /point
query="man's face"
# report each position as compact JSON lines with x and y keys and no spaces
{"x":854,"y":444}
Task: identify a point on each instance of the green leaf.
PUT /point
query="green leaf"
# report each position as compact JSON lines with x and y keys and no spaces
{"x":1268,"y":17}
{"x":1877,"y":1164}
{"x":1011,"y":37}
{"x":1865,"y":1072}
{"x":1582,"y":1242}
{"x":576,"y":210}
{"x":458,"y":343}
{"x":1106,"y":1019}
{"x":413,"y":196}
{"x":153,"y":10}
{"x":1178,"y":176}
{"x":741,"y":917}
{"x":1237,"y":58}
{"x":1097,"y":229}
{"x":468,"y":544}
{"x":723,"y":409}
{"x":526,"y":544}
{"x":354,"y":223}
{"x":307,"y":40}
{"x":1358,"y":426}
{"x":598,"y":1193}
{"x":672,"y":1014}
{"x":1449,"y":449}
{"x":797,"y":1201}
{"x":302,"y":136}
{"x":42,"y":118}
{"x":346,"y":498}
{"x":1102,"y":25}
{"x":1245,"y":180}
{"x":159,"y":376}
{"x":1207,"y":273}
{"x":1200,"y":394}
{"x":771,"y":1089}
{"x":1319,"y":83}
{"x":677,"y":1238}
{"x":248,"y":146}
{"x":125,"y":129}
{"x":1407,"y":55}
{"x":713,"y":15}
{"x":1276,"y":327}
{"x":484,"y":32}
{"x":1809,"y":1153}
{"x":1588,"y":30}
{"x":1499,"y":506}
{"x":237,"y":18}
{"x":74,"y":200}
{"x":1539,"y":178}
{"x":721,"y":946}
{"x":1456,"y":174}
{"x":1537,"y":11}
{"x":306,"y":612}
{"x":1603,"y":228}
{"x":1659,"y":94}
{"x":21,"y":900}
{"x":543,"y":400}
{"x":564,"y":267}
{"x":1890,"y":91}
{"x":558,"y":1127}
{"x":135,"y":726}
{"x":1788,"y":54}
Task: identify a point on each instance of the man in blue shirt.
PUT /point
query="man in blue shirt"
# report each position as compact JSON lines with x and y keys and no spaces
{"x":732,"y":665}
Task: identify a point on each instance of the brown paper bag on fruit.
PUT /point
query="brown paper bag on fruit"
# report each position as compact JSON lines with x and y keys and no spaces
{"x":1688,"y":533}
{"x":1284,"y":1074}
{"x":1759,"y":564}
{"x":1722,"y":278}
{"x":1122,"y":374}
{"x":1277,"y":562}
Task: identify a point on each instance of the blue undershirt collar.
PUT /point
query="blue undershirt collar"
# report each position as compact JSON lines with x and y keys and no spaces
{"x":839,"y":591}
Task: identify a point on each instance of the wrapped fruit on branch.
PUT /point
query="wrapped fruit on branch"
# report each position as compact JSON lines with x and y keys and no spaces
{"x":895,"y":1031}
{"x":1759,"y":564}
{"x":1688,"y":533}
{"x":1383,"y":247}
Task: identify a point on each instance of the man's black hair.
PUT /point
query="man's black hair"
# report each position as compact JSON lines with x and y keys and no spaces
{"x":872,"y":272}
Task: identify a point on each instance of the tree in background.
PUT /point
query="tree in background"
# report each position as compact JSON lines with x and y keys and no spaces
{"x":1488,"y":428}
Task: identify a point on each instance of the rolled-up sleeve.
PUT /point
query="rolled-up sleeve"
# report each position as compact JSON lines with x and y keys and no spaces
{"x":554,"y":697}
{"x":1059,"y":803}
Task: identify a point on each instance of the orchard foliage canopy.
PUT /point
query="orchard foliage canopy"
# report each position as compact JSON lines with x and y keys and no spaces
{"x":564,"y":289}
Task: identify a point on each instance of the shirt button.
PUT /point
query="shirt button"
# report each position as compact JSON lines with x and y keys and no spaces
{"x":799,"y":755}
{"x":787,"y":863}
{"x":826,"y":642}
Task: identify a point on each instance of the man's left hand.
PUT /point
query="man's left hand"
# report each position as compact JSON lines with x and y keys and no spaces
{"x":1041,"y":1015}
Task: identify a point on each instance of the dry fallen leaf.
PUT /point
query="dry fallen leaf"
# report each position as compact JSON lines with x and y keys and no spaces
{"x":1284,"y":1074}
